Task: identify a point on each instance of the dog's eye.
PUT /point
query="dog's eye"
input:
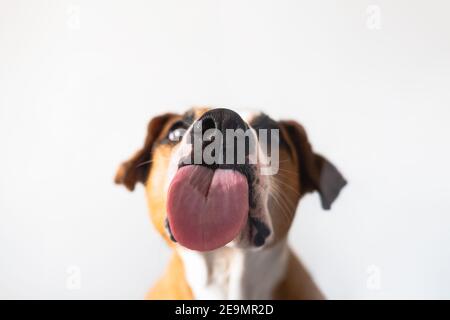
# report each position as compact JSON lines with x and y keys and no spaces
{"x":176,"y":132}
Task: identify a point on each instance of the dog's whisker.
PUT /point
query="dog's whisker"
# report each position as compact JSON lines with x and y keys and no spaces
{"x":150,"y":161}
{"x":278,"y":181}
{"x":291,"y":204}
{"x":286,"y":199}
{"x":283,"y":205}
{"x":287,"y":171}
{"x":144,"y":163}
{"x":284,"y":212}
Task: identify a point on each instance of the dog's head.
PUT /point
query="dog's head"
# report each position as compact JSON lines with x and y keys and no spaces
{"x":215,"y":178}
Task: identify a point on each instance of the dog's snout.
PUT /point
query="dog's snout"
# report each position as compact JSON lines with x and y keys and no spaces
{"x":228,"y":123}
{"x":221,"y":139}
{"x":222,"y":120}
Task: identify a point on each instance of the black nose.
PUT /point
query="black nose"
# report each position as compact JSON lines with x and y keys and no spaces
{"x":221,"y":119}
{"x":234,"y":142}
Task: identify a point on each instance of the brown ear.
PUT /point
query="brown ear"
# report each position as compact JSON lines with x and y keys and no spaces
{"x":136,"y":169}
{"x":316,"y":173}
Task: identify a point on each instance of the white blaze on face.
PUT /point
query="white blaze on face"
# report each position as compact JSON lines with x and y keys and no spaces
{"x":181,"y":150}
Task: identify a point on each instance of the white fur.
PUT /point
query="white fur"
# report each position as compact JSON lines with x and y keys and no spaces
{"x":234,"y":273}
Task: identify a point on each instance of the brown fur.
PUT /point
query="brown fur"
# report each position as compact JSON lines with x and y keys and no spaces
{"x":301,"y":171}
{"x":172,"y":285}
{"x":297,"y":284}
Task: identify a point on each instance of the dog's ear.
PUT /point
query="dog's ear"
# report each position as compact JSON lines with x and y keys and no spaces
{"x":136,"y":169}
{"x":316,"y":172}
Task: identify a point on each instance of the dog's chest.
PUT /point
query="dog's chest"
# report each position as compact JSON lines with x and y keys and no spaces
{"x":230,"y":273}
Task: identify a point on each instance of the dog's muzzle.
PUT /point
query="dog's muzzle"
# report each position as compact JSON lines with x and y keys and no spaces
{"x":208,"y":203}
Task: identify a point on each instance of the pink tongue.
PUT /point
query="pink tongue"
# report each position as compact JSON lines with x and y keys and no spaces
{"x":207,"y":209}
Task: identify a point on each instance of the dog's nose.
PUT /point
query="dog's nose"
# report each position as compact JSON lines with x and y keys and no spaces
{"x":221,"y":119}
{"x":229,"y":133}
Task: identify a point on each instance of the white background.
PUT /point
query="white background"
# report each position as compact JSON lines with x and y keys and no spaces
{"x":79,"y":81}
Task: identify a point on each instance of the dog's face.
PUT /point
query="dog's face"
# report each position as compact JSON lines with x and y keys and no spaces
{"x":205,"y":190}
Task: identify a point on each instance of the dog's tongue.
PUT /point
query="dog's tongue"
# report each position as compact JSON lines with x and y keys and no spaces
{"x":207,"y":209}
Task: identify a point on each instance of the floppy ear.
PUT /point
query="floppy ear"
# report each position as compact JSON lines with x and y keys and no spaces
{"x":136,"y":169}
{"x":316,"y":172}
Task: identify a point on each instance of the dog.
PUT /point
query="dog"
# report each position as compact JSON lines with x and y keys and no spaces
{"x":227,"y":223}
